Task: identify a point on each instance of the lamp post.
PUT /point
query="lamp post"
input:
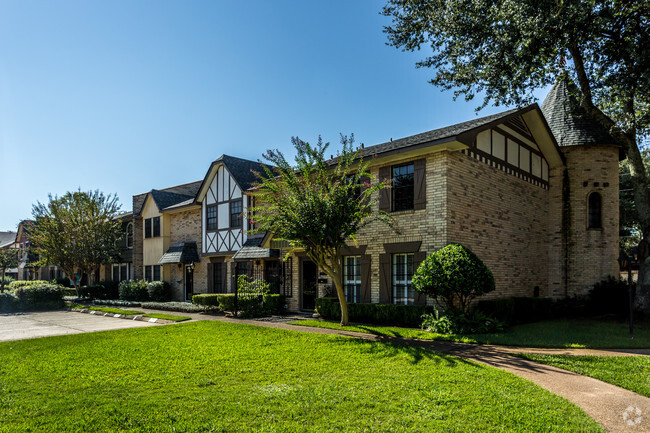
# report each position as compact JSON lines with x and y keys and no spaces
{"x":625,"y":261}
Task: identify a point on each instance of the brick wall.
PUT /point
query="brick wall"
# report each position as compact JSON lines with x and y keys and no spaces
{"x":185,"y":226}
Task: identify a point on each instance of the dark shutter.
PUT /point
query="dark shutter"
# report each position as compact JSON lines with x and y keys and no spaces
{"x":420,"y":298}
{"x":364,"y":181}
{"x":384,"y":194}
{"x":384,"y":279}
{"x":365,"y":278}
{"x":210,"y":278}
{"x":419,"y":179}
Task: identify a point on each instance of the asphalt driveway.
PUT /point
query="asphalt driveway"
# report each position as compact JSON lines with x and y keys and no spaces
{"x":33,"y":325}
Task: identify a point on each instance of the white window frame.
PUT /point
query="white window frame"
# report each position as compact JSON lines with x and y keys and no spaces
{"x":403,"y":285}
{"x":355,"y":280}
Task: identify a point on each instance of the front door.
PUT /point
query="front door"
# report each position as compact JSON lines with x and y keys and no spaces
{"x":189,"y":283}
{"x":309,"y":285}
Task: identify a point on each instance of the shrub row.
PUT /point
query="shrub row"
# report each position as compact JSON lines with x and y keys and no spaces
{"x":389,"y":314}
{"x":249,"y":306}
{"x":516,"y":310}
{"x":183,"y":307}
{"x":41,"y":296}
{"x":26,"y":283}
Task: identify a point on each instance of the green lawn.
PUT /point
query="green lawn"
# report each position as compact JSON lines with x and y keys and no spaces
{"x":630,"y":372}
{"x":213,"y":377}
{"x":172,"y":317}
{"x":554,"y":333}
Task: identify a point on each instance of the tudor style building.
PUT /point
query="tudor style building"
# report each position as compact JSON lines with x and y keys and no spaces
{"x":532,"y":191}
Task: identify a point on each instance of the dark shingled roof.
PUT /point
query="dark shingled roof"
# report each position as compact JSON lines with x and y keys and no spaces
{"x":568,"y":121}
{"x":188,"y":190}
{"x":252,"y":250}
{"x":165,"y":199}
{"x":183,"y":252}
{"x":240,"y":169}
{"x":7,"y":238}
{"x":448,"y":133}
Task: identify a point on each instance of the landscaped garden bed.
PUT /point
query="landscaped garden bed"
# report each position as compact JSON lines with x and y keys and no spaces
{"x":212,"y":376}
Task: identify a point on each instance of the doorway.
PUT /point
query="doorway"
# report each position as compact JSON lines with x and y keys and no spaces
{"x":189,"y":282}
{"x":309,"y":285}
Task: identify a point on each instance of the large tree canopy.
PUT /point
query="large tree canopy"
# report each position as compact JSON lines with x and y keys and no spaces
{"x":77,"y":232}
{"x":317,"y":205}
{"x":505,"y":49}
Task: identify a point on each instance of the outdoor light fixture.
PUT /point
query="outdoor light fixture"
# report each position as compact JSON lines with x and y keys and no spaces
{"x":625,"y":261}
{"x":190,"y":267}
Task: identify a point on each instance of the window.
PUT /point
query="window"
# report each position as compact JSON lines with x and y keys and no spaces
{"x":595,"y":211}
{"x":403,"y":190}
{"x":402,"y":273}
{"x":156,"y":227}
{"x":147,"y":273}
{"x":156,"y":273}
{"x":121,"y":271}
{"x":217,"y":278}
{"x":129,"y":235}
{"x":236,"y":213}
{"x":211,"y":217}
{"x":147,"y":228}
{"x":352,"y":278}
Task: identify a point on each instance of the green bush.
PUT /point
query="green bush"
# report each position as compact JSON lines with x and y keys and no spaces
{"x":64,"y":282}
{"x":517,"y":310}
{"x":115,"y":302}
{"x":455,"y":276}
{"x":474,"y":322}
{"x":610,"y":296}
{"x":206,"y":299}
{"x":8,"y":302}
{"x":22,"y":283}
{"x":133,"y":290}
{"x":159,"y":291}
{"x":384,"y":314}
{"x":250,"y":306}
{"x":100,"y":290}
{"x":226,"y":301}
{"x":274,"y":303}
{"x":7,"y":279}
{"x":183,"y":307}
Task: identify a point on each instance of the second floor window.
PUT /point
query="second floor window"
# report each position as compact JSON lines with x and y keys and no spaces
{"x":595,"y":211}
{"x":403,"y":189}
{"x":236,"y":210}
{"x":211,"y":217}
{"x":152,"y":227}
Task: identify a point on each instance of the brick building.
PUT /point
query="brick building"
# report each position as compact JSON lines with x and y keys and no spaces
{"x":532,"y":191}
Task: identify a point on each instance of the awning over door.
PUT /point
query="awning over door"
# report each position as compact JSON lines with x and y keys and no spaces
{"x":183,"y":252}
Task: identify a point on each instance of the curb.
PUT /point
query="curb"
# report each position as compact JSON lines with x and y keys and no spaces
{"x":138,"y":317}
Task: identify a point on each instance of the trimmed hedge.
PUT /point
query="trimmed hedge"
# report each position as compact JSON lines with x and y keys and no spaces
{"x":183,"y":307}
{"x":133,"y":290}
{"x":250,"y":306}
{"x":23,"y":283}
{"x":385,"y":314}
{"x":516,"y":310}
{"x":42,"y":296}
{"x":159,"y":291}
{"x":206,"y":299}
{"x":101,"y":290}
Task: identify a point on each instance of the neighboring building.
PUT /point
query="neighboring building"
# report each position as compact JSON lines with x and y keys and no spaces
{"x":162,"y":219}
{"x":28,"y":266}
{"x":121,"y":267}
{"x":8,"y":240}
{"x":532,"y":191}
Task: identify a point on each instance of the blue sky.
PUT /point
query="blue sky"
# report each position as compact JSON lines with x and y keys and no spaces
{"x":126,"y":96}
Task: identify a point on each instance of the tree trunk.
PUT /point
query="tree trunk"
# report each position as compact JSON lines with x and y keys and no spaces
{"x":342,"y":301}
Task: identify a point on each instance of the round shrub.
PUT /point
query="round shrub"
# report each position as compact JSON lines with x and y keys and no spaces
{"x":159,"y":291}
{"x":455,"y":276}
{"x":133,"y":290}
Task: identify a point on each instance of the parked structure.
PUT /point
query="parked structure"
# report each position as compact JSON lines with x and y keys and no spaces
{"x":532,"y":191}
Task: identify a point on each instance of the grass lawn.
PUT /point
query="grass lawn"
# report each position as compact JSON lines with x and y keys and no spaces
{"x":553,"y":333}
{"x":630,"y":372}
{"x":213,"y":377}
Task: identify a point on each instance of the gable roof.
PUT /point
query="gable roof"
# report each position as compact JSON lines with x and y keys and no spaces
{"x":240,"y":169}
{"x":456,"y":132}
{"x":187,"y":190}
{"x":7,"y":238}
{"x":165,"y":199}
{"x":568,"y":120}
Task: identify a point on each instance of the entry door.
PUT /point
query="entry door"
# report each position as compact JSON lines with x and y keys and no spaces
{"x":189,"y":283}
{"x":309,"y":285}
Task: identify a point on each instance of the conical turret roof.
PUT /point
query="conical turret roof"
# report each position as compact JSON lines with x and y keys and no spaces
{"x":568,"y":120}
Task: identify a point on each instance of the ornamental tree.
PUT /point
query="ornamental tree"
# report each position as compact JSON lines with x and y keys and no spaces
{"x":77,"y":232}
{"x":505,"y":49}
{"x":318,"y":205}
{"x":8,"y":259}
{"x":453,"y":275}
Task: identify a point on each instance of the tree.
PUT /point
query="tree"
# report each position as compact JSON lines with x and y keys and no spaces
{"x":8,"y":259}
{"x":77,"y":232}
{"x":318,"y":205}
{"x":505,"y":49}
{"x":454,"y":275}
